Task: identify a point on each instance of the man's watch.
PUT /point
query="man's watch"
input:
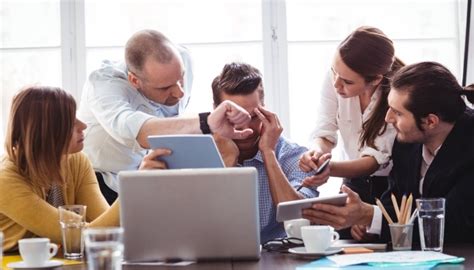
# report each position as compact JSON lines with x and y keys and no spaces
{"x":203,"y":123}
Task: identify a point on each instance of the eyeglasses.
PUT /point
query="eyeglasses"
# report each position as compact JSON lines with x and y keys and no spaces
{"x":282,"y":244}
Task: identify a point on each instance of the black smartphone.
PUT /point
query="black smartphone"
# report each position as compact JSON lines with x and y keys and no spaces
{"x":322,"y":167}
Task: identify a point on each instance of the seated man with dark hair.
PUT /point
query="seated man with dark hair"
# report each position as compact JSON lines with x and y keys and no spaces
{"x":275,"y":159}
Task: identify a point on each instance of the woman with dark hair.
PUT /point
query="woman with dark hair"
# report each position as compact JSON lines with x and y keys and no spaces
{"x":43,"y":168}
{"x":354,"y":103}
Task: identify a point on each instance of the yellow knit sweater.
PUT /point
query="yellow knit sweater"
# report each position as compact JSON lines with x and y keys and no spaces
{"x":24,"y":211}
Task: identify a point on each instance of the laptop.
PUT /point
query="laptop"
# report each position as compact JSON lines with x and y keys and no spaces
{"x":190,"y":214}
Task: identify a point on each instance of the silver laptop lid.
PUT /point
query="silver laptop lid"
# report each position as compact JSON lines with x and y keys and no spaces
{"x":190,"y":214}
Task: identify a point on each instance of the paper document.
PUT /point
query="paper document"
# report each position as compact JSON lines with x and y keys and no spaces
{"x":401,"y":257}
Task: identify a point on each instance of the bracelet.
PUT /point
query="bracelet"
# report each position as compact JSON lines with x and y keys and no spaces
{"x":203,"y":123}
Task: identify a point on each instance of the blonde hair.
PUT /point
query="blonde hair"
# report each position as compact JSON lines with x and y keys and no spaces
{"x":39,"y":131}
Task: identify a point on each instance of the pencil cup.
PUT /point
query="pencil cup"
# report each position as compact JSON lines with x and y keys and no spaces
{"x":402,"y":235}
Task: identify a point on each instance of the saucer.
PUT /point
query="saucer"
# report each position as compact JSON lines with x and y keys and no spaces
{"x":302,"y":251}
{"x":48,"y":264}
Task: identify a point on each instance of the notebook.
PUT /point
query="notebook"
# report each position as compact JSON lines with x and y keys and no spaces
{"x":190,"y":214}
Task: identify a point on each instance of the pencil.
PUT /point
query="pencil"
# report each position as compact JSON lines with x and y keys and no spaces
{"x":402,"y":208}
{"x":408,"y":209}
{"x":395,"y":205}
{"x":384,"y":212}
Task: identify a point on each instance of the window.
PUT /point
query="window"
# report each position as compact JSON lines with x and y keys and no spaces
{"x":215,"y":31}
{"x":27,"y":58}
{"x":420,"y":30}
{"x":293,"y":40}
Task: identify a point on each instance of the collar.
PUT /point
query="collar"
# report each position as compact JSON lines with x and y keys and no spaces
{"x":258,"y":157}
{"x":427,"y":156}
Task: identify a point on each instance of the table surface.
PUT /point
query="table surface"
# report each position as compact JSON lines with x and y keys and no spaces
{"x":274,"y":260}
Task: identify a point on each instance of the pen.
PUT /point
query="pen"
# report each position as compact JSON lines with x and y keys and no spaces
{"x":317,"y":171}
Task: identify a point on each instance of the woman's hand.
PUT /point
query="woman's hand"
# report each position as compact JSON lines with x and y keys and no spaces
{"x":322,"y":177}
{"x":309,"y":160}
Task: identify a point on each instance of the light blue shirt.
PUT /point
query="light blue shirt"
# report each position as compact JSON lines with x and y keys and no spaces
{"x":114,"y":112}
{"x":287,"y":155}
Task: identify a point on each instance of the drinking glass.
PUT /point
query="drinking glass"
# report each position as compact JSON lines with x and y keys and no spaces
{"x":72,"y":219}
{"x":431,"y":223}
{"x":104,"y":247}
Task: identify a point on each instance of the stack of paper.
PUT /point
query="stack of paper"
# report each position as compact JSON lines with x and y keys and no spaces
{"x":418,"y":260}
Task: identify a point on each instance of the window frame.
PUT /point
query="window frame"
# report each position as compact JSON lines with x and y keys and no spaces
{"x":275,"y":53}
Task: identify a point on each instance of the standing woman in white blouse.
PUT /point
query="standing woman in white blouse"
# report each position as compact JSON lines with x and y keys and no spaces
{"x":354,"y":102}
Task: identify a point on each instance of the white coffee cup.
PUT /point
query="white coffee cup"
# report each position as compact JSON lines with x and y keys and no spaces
{"x":318,"y":238}
{"x":293,"y":227}
{"x":36,"y":251}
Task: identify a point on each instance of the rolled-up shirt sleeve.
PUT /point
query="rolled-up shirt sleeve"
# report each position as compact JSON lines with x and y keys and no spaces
{"x":113,"y":110}
{"x":384,"y":144}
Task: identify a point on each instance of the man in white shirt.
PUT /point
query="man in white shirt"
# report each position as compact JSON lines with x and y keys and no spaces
{"x":123,"y":103}
{"x":432,"y":157}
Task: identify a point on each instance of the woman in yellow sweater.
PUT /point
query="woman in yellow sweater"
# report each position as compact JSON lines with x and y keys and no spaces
{"x":44,"y":168}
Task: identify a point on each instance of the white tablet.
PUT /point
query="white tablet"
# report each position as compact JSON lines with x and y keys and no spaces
{"x":188,"y":151}
{"x":292,"y":209}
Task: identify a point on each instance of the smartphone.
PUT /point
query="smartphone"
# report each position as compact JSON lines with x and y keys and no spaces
{"x":322,"y":167}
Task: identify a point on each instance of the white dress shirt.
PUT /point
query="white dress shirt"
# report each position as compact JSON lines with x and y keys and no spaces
{"x":114,"y":112}
{"x":335,"y":113}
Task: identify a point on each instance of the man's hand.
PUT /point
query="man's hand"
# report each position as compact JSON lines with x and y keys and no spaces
{"x":150,"y":161}
{"x":359,"y":233}
{"x":321,"y":178}
{"x":355,"y":212}
{"x":228,"y":149}
{"x":226,"y":119}
{"x":309,"y":161}
{"x":271,"y":129}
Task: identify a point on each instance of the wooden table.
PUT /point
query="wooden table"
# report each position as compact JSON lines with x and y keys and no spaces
{"x":273,"y":260}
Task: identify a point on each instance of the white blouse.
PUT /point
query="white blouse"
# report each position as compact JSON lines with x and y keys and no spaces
{"x":336,"y":113}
